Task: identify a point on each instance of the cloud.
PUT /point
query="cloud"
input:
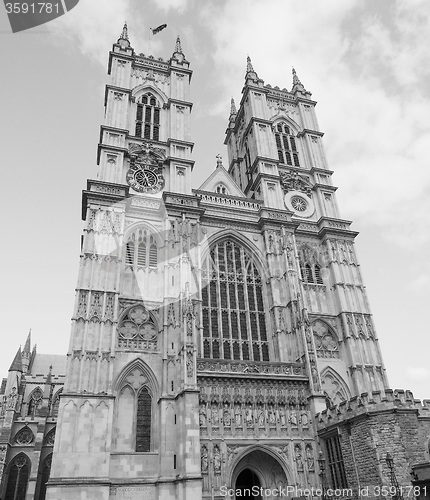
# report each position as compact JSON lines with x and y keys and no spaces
{"x":368,"y":66}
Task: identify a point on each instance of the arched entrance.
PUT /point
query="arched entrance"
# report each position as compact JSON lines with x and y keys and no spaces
{"x":261,"y":470}
{"x":247,"y":483}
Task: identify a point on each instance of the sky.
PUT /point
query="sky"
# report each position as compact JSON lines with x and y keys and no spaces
{"x":367,"y":65}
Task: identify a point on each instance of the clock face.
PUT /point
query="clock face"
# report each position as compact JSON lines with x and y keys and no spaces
{"x":145,"y":179}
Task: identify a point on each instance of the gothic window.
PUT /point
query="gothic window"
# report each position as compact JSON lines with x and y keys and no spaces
{"x":56,"y":404}
{"x":335,"y":462}
{"x":17,"y":480}
{"x":148,"y":118}
{"x":24,"y":436}
{"x":143,"y":421}
{"x":35,"y":402}
{"x":311,"y":272}
{"x":44,"y":474}
{"x":137,"y":329}
{"x":141,"y":250}
{"x":326,"y":341}
{"x":221,"y":189}
{"x":286,"y":145}
{"x":234,"y":325}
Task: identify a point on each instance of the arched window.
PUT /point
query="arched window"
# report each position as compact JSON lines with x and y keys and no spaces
{"x":148,"y":118}
{"x":143,"y":420}
{"x":44,"y":473}
{"x":17,"y":480}
{"x":221,"y":189}
{"x":309,"y":268}
{"x":286,"y":145}
{"x":234,"y":325}
{"x":35,"y":402}
{"x":56,"y":404}
{"x":141,"y":250}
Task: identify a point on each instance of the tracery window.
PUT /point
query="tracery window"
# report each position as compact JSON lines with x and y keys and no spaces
{"x":35,"y":402}
{"x":141,"y":250}
{"x":18,"y":475}
{"x":286,"y":145}
{"x":234,"y":325}
{"x":148,"y":118}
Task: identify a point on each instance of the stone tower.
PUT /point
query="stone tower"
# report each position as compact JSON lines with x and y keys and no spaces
{"x":130,"y":406}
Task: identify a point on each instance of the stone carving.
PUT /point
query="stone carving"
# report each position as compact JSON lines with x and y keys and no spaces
{"x":214,"y":415}
{"x":310,"y":461}
{"x":190,"y":367}
{"x":202,"y":415}
{"x":204,"y":459}
{"x":137,"y":330}
{"x":24,"y":436}
{"x":227,"y":415}
{"x":12,"y":398}
{"x":298,"y":457}
{"x":292,"y":181}
{"x":237,"y":415}
{"x":217,"y":459}
{"x":250,"y":367}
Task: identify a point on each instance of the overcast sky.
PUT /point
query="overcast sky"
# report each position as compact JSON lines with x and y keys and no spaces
{"x":367,"y":64}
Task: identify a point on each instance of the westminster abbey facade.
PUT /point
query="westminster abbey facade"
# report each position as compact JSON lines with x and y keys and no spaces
{"x":221,"y":337}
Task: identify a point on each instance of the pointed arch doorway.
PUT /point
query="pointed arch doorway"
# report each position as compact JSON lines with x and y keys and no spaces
{"x":259,"y":469}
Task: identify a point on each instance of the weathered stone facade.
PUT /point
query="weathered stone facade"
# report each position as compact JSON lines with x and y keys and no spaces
{"x":221,"y":336}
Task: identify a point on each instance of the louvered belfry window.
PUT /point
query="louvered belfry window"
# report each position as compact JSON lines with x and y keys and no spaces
{"x":141,"y":250}
{"x":234,"y":325}
{"x":148,"y":118}
{"x":143,"y":421}
{"x":286,"y":145}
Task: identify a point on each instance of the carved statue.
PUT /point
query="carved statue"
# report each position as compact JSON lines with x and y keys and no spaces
{"x":217,"y":459}
{"x":249,"y":417}
{"x":227,"y":415}
{"x":204,"y":459}
{"x":202,"y":415}
{"x":261,"y":416}
{"x":215,"y":415}
{"x":238,"y":415}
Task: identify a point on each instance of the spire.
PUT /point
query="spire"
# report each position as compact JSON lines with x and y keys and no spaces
{"x":16,"y":365}
{"x":27,"y":346}
{"x":233,"y":110}
{"x":249,"y":67}
{"x":298,"y":85}
{"x":251,"y":74}
{"x":123,"y":40}
{"x":178,"y":48}
{"x":296,"y":79}
{"x":124,"y":34}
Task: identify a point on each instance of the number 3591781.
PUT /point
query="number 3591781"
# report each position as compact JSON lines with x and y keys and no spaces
{"x":33,"y":8}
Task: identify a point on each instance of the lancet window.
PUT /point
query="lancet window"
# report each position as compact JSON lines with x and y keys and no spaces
{"x":286,"y":145}
{"x":143,"y":420}
{"x":234,"y":325}
{"x":148,"y":118}
{"x":35,"y":402}
{"x":141,"y":250}
{"x":18,"y":475}
{"x":335,"y":462}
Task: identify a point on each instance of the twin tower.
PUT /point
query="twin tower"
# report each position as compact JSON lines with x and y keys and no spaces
{"x":211,"y":325}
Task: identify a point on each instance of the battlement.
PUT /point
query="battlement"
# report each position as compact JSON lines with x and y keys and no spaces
{"x":373,"y":402}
